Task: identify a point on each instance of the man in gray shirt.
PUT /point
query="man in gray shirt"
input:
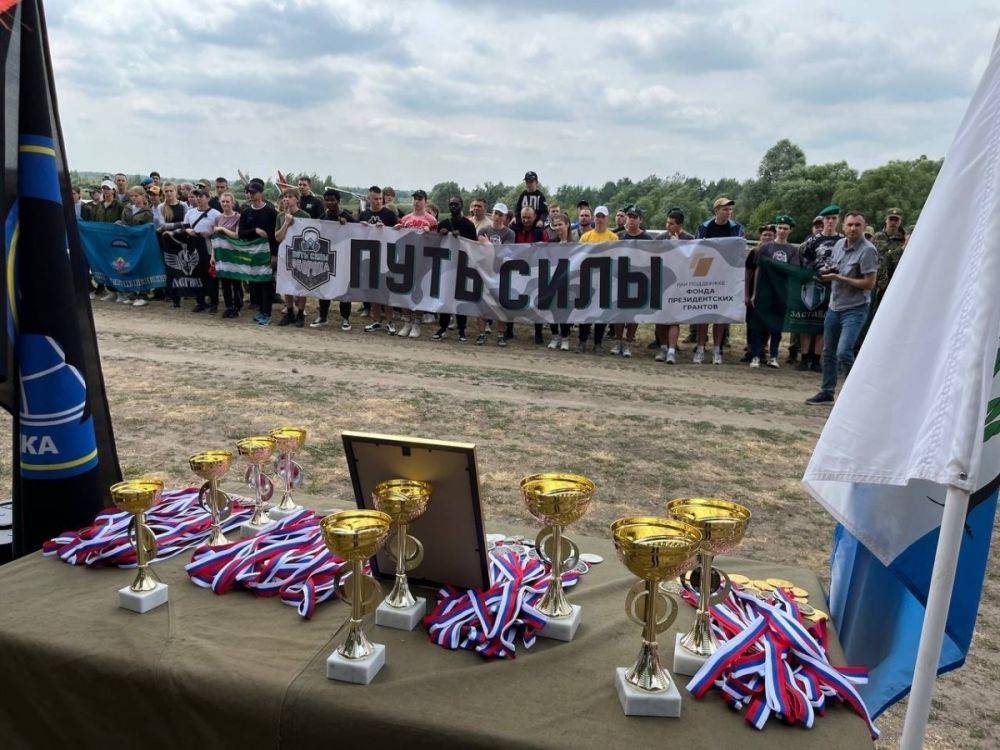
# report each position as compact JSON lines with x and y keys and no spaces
{"x":851,"y":270}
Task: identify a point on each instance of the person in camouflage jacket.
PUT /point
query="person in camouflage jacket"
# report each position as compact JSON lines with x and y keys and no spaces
{"x":890,"y":243}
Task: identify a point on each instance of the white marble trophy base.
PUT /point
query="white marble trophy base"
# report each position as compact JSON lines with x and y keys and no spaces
{"x":358,"y":671}
{"x":247,"y":530}
{"x":684,"y":661}
{"x":562,"y":628}
{"x":142,"y":601}
{"x":401,"y":618}
{"x":280,"y":515}
{"x":638,"y":702}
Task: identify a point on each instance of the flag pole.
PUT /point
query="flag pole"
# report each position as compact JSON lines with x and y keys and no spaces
{"x":956,"y":505}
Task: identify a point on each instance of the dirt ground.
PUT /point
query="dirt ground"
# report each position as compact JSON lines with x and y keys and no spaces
{"x":643,"y":431}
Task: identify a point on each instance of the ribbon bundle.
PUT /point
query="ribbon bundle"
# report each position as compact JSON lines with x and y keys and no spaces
{"x":290,"y":561}
{"x":178,"y":521}
{"x":489,"y":622}
{"x":770,"y":663}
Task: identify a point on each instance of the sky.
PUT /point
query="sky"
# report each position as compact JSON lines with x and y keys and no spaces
{"x":413,"y":94}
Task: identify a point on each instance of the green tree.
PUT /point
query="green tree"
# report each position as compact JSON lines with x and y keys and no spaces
{"x":779,"y":160}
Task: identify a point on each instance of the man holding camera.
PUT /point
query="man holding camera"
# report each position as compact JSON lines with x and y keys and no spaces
{"x":851,"y":269}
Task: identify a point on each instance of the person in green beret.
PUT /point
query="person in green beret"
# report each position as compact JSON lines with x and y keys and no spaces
{"x":890,"y":243}
{"x":814,"y":253}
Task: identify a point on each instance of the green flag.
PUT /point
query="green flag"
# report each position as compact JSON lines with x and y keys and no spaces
{"x":789,"y":298}
{"x":242,"y":260}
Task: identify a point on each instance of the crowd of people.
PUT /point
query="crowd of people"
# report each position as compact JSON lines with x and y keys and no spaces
{"x":845,"y":252}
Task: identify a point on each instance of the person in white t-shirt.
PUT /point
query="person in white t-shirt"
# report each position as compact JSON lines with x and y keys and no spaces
{"x":200,"y":221}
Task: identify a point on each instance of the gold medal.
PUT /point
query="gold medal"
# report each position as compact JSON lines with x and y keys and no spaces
{"x":742,"y":580}
{"x":799,"y":593}
{"x":762,"y":585}
{"x":806,"y":610}
{"x":780,"y":583}
{"x":818,"y":615}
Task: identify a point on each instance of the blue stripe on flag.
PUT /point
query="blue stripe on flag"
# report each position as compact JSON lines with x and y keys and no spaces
{"x":880,"y":610}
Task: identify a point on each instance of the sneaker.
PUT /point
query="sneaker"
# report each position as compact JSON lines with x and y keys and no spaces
{"x":554,"y":343}
{"x":755,"y":362}
{"x":390,"y":328}
{"x":198,"y":308}
{"x":480,"y":339}
{"x":803,"y":365}
{"x":93,"y":294}
{"x":564,"y":345}
{"x":345,"y":325}
{"x":717,"y":357}
{"x":108,"y":296}
{"x":405,"y":330}
{"x":213,"y":309}
{"x":320,"y":322}
{"x":257,"y":317}
{"x":671,"y":357}
{"x":502,"y":341}
{"x":287,"y":319}
{"x":122,"y":298}
{"x":626,"y":350}
{"x":375,"y":326}
{"x":462,"y":338}
{"x":793,"y":357}
{"x":228,"y":313}
{"x":439,"y":334}
{"x":489,"y":329}
{"x":599,"y":349}
{"x":823,"y":397}
{"x":414,"y":331}
{"x":300,"y":319}
{"x":662,"y":356}
{"x":654,"y":344}
{"x":773,"y":363}
{"x":699,"y":356}
{"x":816,"y":366}
{"x":265,"y":320}
{"x":747,"y":356}
{"x":428,"y":318}
{"x":616,"y":349}
{"x":140,"y":302}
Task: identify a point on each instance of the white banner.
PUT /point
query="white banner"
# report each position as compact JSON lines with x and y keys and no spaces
{"x":626,"y":281}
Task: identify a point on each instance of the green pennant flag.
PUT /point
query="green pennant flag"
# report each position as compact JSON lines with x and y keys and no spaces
{"x":242,"y":260}
{"x":789,"y":298}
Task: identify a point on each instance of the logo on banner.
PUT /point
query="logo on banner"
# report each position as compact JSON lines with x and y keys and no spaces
{"x":184,"y":260}
{"x":310,"y":260}
{"x":121,"y":265}
{"x":813,"y":295}
{"x":701,"y":264}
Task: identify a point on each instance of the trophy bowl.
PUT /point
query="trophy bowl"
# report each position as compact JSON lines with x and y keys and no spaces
{"x":722,"y":523}
{"x":655,"y":549}
{"x":211,"y":465}
{"x":403,"y":500}
{"x":136,"y":495}
{"x":256,"y":449}
{"x":288,"y":439}
{"x":355,"y":534}
{"x":557,"y":499}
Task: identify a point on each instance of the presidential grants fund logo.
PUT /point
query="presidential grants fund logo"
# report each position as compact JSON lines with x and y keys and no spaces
{"x":813,"y":294}
{"x":706,"y":281}
{"x":310,"y":259}
{"x":701,"y":264}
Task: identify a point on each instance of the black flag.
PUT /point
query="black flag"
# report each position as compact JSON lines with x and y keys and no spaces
{"x":64,"y":450}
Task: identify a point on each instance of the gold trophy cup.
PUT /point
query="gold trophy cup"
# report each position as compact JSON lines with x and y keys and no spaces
{"x":404,"y":501}
{"x":653,"y":549}
{"x":212,"y":466}
{"x":722,"y":525}
{"x":136,"y":496}
{"x":255,"y":451}
{"x":288,"y":441}
{"x":356,"y":535}
{"x":557,"y":500}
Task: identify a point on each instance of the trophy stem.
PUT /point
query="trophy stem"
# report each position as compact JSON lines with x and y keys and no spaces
{"x":217,"y":538}
{"x":286,"y":503}
{"x":553,"y":602}
{"x":260,"y":517}
{"x":700,"y":639}
{"x":647,"y":673}
{"x":144,"y":579}
{"x":357,"y":645}
{"x":400,"y":596}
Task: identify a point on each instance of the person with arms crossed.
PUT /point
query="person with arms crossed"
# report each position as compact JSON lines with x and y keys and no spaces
{"x":667,"y":334}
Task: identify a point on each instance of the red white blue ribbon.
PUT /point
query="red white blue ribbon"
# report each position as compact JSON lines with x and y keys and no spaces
{"x":491,"y":622}
{"x":290,"y":561}
{"x":770,"y":662}
{"x":178,"y":522}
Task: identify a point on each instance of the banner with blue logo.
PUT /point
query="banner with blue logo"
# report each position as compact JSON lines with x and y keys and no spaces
{"x":126,"y":259}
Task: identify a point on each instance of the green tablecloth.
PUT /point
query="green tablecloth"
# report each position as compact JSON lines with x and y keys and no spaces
{"x":238,"y":671}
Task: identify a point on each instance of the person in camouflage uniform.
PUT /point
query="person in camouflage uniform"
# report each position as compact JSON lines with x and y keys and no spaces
{"x":889,"y":242}
{"x":108,"y":209}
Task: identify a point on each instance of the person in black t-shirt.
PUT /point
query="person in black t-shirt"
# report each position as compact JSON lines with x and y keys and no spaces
{"x":333,"y":212}
{"x":814,"y":253}
{"x":532,"y":196}
{"x":258,"y":219}
{"x":308,"y":200}
{"x":456,"y":225}
{"x":378,"y":215}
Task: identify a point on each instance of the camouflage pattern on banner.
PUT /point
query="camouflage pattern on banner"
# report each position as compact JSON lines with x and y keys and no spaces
{"x":643,"y":281}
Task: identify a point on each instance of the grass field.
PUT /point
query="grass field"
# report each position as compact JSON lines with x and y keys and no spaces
{"x":643,"y":431}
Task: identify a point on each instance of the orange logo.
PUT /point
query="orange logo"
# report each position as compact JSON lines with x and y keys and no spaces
{"x":700,"y":265}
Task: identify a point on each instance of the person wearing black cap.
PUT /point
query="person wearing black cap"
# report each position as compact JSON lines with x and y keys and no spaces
{"x":668,"y":334}
{"x":456,"y":225}
{"x":532,"y":196}
{"x":624,"y":333}
{"x":333,"y":212}
{"x":258,"y":219}
{"x":814,"y":253}
{"x":378,"y":215}
{"x":721,"y":224}
{"x":780,"y":250}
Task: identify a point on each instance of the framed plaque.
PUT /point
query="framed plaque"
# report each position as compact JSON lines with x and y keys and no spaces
{"x":452,"y":527}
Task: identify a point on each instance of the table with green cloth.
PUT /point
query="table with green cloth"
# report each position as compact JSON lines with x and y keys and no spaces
{"x":241,"y":671}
